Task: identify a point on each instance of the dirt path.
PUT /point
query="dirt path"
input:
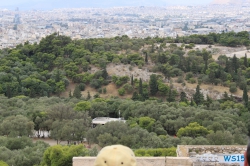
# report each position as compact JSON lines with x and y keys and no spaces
{"x":52,"y":142}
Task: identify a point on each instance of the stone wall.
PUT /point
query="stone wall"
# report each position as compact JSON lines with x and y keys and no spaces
{"x":184,"y":156}
{"x":192,"y":150}
{"x":141,"y":161}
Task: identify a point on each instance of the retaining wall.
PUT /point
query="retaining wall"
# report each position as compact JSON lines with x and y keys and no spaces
{"x":141,"y":161}
{"x":184,"y":154}
{"x":192,"y":150}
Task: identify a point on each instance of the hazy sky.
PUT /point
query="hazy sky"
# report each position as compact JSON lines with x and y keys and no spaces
{"x":50,"y":4}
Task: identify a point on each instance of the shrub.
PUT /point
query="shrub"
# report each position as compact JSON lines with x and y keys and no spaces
{"x":2,"y":163}
{"x":66,"y":81}
{"x":176,"y":72}
{"x":104,"y":90}
{"x":100,"y":90}
{"x":205,"y":79}
{"x":97,"y":95}
{"x":192,"y":80}
{"x":189,"y":75}
{"x":95,"y":83}
{"x":129,"y":88}
{"x":105,"y":82}
{"x":217,"y":81}
{"x":180,"y":79}
{"x":226,"y":83}
{"x":199,"y":81}
{"x":232,"y":87}
{"x":121,"y":91}
{"x":156,"y":152}
{"x":183,"y":104}
{"x":119,"y":81}
{"x":82,"y":86}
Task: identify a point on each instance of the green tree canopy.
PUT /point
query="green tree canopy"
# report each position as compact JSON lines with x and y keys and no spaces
{"x":193,"y":130}
{"x":16,"y":126}
{"x":62,"y":155}
{"x":83,"y":106}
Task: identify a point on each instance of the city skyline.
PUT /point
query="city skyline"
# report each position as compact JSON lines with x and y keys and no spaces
{"x":54,"y":4}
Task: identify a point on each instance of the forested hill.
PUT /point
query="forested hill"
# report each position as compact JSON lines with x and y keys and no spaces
{"x":34,"y":76}
{"x":47,"y":68}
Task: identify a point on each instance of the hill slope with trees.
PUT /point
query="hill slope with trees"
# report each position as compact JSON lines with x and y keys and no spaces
{"x":33,"y":77}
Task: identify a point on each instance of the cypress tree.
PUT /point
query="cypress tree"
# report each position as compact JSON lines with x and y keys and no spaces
{"x":245,"y":97}
{"x":146,"y":57}
{"x":245,"y":61}
{"x":205,"y":56}
{"x":77,"y":92}
{"x":88,"y":97}
{"x":105,"y":73}
{"x":235,"y":63}
{"x":183,"y":97}
{"x":153,"y":84}
{"x":198,"y":96}
{"x":132,"y":80}
{"x":140,"y":87}
{"x":227,"y":66}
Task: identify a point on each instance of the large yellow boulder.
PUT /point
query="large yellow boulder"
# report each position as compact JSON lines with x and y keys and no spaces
{"x":115,"y":155}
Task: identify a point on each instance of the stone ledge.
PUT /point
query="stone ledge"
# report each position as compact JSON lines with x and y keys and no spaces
{"x":141,"y":161}
{"x":178,"y":161}
{"x":150,"y":161}
{"x":83,"y":161}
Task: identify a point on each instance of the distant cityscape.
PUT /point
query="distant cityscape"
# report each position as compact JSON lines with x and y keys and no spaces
{"x":18,"y":26}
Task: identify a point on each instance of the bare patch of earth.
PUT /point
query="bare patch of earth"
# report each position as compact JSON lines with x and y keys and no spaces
{"x":222,"y":50}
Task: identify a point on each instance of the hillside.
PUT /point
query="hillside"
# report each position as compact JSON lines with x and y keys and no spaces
{"x":122,"y":67}
{"x":215,"y":92}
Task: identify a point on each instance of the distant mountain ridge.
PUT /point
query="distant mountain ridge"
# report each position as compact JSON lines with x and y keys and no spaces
{"x":49,"y":4}
{"x":230,"y":2}
{"x":53,"y":4}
